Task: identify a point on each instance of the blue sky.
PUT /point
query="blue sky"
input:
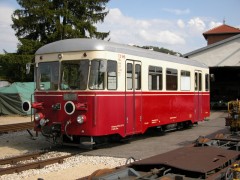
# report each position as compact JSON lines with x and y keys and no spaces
{"x":174,"y":24}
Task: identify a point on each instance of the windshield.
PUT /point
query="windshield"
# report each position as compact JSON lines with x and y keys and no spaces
{"x":98,"y":69}
{"x":48,"y":76}
{"x":74,"y":75}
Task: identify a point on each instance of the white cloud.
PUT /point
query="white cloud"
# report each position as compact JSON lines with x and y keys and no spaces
{"x":165,"y":37}
{"x":177,"y":11}
{"x":180,"y":23}
{"x":5,"y":13}
{"x":141,"y":32}
{"x":213,"y":24}
{"x":8,"y":41}
{"x":196,"y":25}
{"x":178,"y":35}
{"x":116,"y":17}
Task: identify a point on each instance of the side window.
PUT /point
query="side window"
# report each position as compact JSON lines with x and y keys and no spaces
{"x":112,"y":75}
{"x":154,"y":78}
{"x":137,"y":76}
{"x":185,"y":81}
{"x":196,"y":81}
{"x":200,"y":81}
{"x":207,"y":84}
{"x":129,"y":76}
{"x":171,"y":79}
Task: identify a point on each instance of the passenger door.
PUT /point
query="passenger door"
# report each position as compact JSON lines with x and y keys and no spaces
{"x":197,"y":95}
{"x":133,"y":97}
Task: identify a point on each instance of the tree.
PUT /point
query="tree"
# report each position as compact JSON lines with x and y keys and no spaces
{"x":44,"y":21}
{"x":13,"y":67}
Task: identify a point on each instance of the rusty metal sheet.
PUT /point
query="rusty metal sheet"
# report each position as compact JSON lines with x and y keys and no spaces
{"x":195,"y":159}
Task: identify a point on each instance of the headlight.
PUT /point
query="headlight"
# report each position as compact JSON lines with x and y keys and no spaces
{"x":38,"y":116}
{"x":81,"y":119}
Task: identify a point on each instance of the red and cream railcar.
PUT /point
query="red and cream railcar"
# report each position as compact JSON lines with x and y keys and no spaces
{"x":87,"y":90}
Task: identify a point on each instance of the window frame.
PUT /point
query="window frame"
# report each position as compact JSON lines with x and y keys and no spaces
{"x":104,"y":76}
{"x":207,"y":82}
{"x":181,"y":80}
{"x":174,"y":73}
{"x":78,"y":86}
{"x":159,"y":82}
{"x":116,"y":68}
{"x":137,"y":77}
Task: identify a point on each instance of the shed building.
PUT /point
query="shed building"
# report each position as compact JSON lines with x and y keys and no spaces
{"x":222,"y":56}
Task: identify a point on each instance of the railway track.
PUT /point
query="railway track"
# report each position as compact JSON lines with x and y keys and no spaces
{"x":28,"y":161}
{"x":16,"y":127}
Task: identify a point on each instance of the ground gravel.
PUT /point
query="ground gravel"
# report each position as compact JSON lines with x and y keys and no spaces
{"x":18,"y":143}
{"x":68,"y":164}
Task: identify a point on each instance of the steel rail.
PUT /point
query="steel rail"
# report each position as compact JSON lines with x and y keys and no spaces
{"x":15,"y":159}
{"x":16,"y":127}
{"x":33,"y":165}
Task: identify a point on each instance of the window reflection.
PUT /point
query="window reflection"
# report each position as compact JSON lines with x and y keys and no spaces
{"x":74,"y":75}
{"x":155,"y":78}
{"x":112,"y":75}
{"x":48,"y":76}
{"x":98,"y":69}
{"x":171,"y":79}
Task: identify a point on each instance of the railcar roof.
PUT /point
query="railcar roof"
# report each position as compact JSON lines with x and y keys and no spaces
{"x":83,"y":44}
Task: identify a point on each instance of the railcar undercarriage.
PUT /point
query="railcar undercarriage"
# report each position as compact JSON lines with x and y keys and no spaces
{"x":55,"y":135}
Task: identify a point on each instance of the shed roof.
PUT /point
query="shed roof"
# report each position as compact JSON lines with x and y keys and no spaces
{"x":222,"y":29}
{"x":211,"y":46}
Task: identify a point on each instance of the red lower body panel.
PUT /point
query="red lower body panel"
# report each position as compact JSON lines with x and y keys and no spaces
{"x":123,"y":113}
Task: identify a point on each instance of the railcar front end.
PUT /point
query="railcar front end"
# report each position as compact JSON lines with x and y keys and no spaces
{"x":70,"y":103}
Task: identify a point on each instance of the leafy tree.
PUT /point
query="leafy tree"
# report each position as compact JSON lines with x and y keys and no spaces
{"x":28,"y":46}
{"x":13,"y":67}
{"x":39,"y":22}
